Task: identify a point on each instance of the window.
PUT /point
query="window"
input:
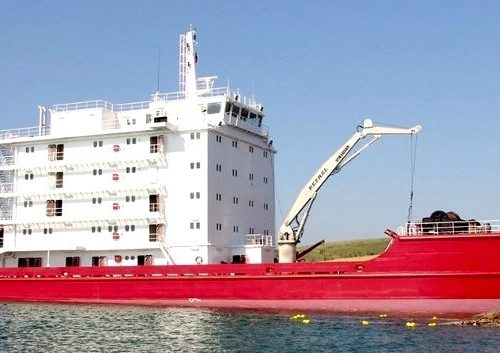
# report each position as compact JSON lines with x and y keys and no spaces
{"x":244,"y":114}
{"x":130,"y":169}
{"x":218,"y":197}
{"x":266,"y":206}
{"x":29,"y":262}
{"x":235,"y":144}
{"x":218,"y":226}
{"x":213,"y":108}
{"x":250,"y":203}
{"x":235,"y":173}
{"x":264,"y":154}
{"x":56,"y":152}
{"x":235,"y":111}
{"x":28,"y":203}
{"x":266,"y":232}
{"x":59,"y":180}
{"x":54,"y":208}
{"x":155,"y":144}
{"x":218,"y":167}
{"x":145,"y":260}
{"x":30,"y":149}
{"x":235,"y":200}
{"x":154,"y":203}
{"x":251,"y":230}
{"x":250,"y":176}
{"x":194,"y":165}
{"x":98,"y":144}
{"x":96,"y":200}
{"x":130,"y":198}
{"x":131,"y":141}
{"x":235,"y":229}
{"x":97,"y":172}
{"x":156,"y":232}
{"x":99,"y":261}
{"x":28,"y":176}
{"x":250,"y":149}
{"x":194,"y":225}
{"x":195,"y":136}
{"x":72,"y":261}
{"x":264,"y":179}
{"x":218,"y":138}
{"x":47,"y":230}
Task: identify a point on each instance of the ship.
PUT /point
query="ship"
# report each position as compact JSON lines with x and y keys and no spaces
{"x":170,"y":201}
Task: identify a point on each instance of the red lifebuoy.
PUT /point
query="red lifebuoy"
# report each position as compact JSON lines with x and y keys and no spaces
{"x":116,"y":148}
{"x":116,"y":236}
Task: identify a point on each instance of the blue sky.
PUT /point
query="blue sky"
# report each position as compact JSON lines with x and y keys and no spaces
{"x":319,"y":68}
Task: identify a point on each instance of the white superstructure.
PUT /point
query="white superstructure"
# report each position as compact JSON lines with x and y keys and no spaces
{"x":183,"y":178}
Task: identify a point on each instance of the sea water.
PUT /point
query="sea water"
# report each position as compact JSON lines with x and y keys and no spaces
{"x":103,"y":328}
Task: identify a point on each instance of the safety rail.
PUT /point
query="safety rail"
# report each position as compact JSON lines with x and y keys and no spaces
{"x":6,"y":215}
{"x":259,"y":130}
{"x":7,"y":160}
{"x":167,"y":97}
{"x":171,"y":272}
{"x":6,"y":188}
{"x":259,"y":239}
{"x":449,"y":228}
{"x":35,"y":131}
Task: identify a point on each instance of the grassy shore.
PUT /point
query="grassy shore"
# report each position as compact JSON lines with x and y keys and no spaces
{"x":346,"y":249}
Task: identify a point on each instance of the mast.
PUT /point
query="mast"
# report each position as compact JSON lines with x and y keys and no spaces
{"x":188,"y":58}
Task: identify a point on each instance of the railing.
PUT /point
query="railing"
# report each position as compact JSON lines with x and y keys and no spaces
{"x":7,"y":160}
{"x":6,"y":188}
{"x":10,"y":134}
{"x":259,"y":239}
{"x":83,"y":105}
{"x":5,"y":215}
{"x":259,"y":130}
{"x":449,"y":228}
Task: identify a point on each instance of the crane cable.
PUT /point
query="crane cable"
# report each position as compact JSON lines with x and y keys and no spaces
{"x":413,"y":158}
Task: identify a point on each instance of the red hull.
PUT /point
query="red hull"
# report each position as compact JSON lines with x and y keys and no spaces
{"x":439,"y":275}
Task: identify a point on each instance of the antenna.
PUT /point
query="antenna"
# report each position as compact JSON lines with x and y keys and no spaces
{"x":158,"y":68}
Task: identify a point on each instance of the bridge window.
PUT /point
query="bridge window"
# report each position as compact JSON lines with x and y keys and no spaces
{"x":213,"y":108}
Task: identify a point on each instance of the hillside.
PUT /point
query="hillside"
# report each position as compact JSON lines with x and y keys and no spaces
{"x":346,"y":249}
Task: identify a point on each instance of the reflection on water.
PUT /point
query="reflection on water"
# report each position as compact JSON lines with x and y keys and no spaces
{"x":99,"y":328}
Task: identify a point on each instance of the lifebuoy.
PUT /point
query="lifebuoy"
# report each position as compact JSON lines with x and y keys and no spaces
{"x":360,"y":268}
{"x":198,"y":260}
{"x":116,"y":236}
{"x":116,"y":148}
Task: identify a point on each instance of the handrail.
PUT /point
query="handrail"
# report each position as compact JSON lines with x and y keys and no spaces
{"x":449,"y":227}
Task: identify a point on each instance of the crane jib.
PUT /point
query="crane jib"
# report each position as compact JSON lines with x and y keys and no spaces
{"x":342,"y":154}
{"x":318,"y":178}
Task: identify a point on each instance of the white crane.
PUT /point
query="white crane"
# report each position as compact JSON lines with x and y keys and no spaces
{"x":292,"y":228}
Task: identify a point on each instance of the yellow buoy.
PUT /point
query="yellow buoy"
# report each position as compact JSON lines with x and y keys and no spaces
{"x":411,"y":324}
{"x":365,"y":322}
{"x":306,"y":321}
{"x":431,"y":324}
{"x":383,"y":315}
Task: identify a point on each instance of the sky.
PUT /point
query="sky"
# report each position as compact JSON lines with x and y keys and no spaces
{"x":318,"y":67}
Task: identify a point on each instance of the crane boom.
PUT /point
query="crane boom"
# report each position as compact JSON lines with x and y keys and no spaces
{"x":292,"y":228}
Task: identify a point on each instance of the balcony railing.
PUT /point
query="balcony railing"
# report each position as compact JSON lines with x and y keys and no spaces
{"x":450,"y":228}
